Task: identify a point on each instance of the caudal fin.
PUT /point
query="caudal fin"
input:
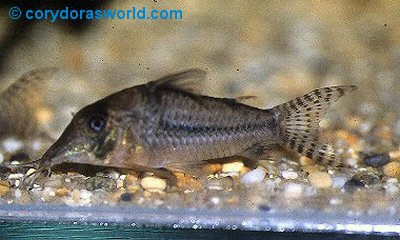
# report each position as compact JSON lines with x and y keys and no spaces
{"x":299,"y":122}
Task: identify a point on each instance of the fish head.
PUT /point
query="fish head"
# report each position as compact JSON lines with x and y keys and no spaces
{"x":91,"y":136}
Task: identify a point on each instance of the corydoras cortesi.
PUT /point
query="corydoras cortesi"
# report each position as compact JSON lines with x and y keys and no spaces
{"x":164,"y":124}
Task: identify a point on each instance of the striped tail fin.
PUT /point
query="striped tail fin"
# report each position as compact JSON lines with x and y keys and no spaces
{"x":299,"y":123}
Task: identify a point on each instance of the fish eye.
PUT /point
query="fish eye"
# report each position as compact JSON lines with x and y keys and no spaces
{"x":97,"y":123}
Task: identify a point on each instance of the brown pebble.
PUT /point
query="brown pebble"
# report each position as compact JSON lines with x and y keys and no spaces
{"x":392,"y":169}
{"x":394,"y":155}
{"x":320,"y":179}
{"x":132,"y":188}
{"x":244,"y":170}
{"x":4,"y":187}
{"x":212,"y":168}
{"x":62,"y":192}
{"x":131,"y":180}
{"x":187,"y":182}
{"x":146,"y":194}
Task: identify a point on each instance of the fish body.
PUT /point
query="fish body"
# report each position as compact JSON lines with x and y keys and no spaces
{"x":165,"y":124}
{"x":20,"y":103}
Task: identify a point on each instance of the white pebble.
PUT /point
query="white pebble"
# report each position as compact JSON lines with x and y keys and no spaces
{"x":352,"y":162}
{"x":289,"y":175}
{"x":85,"y":194}
{"x":254,"y":176}
{"x":392,"y":180}
{"x":15,"y":176}
{"x":1,"y":157}
{"x":120,"y":183}
{"x":30,"y":171}
{"x":391,"y":189}
{"x":17,"y":193}
{"x":153,"y":184}
{"x":335,"y":201}
{"x":48,"y":192}
{"x":12,"y":145}
{"x":293,"y":190}
{"x":339,"y":181}
{"x":215,"y":200}
{"x":233,"y":167}
{"x":113,"y":175}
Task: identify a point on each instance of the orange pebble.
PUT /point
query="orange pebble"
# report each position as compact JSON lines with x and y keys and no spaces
{"x":62,"y":192}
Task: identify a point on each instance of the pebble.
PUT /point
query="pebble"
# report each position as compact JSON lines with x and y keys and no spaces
{"x":320,"y":180}
{"x":120,"y":183}
{"x":293,"y":190}
{"x":48,"y":193}
{"x":369,"y":179}
{"x":4,"y":187}
{"x":17,"y":193}
{"x":153,"y":184}
{"x":85,"y":194}
{"x":187,"y":182}
{"x":133,"y":188}
{"x":12,"y":145}
{"x":392,"y":169}
{"x":104,"y":183}
{"x":219,"y":184}
{"x":215,"y":200}
{"x":30,"y":171}
{"x":126,"y":197}
{"x":289,"y":175}
{"x":1,"y":157}
{"x":392,"y":180}
{"x":352,"y":162}
{"x":339,"y":181}
{"x":391,"y":189}
{"x":254,"y":176}
{"x":376,"y":160}
{"x":76,"y":195}
{"x":131,"y":180}
{"x":17,"y":182}
{"x":394,"y":155}
{"x":14,"y":176}
{"x":62,"y":192}
{"x":353,"y":185}
{"x":233,"y":167}
{"x":212,"y":168}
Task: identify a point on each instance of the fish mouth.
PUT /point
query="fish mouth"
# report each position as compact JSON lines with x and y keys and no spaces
{"x":75,"y":151}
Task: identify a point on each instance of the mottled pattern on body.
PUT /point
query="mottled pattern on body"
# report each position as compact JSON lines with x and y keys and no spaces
{"x":167,"y":124}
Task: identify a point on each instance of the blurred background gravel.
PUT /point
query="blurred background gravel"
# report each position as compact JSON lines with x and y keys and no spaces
{"x":270,"y":49}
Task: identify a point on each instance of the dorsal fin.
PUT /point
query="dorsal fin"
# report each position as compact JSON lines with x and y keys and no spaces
{"x":186,"y":80}
{"x":20,"y":100}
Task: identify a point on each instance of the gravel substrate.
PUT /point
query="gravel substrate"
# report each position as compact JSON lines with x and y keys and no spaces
{"x":266,"y":49}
